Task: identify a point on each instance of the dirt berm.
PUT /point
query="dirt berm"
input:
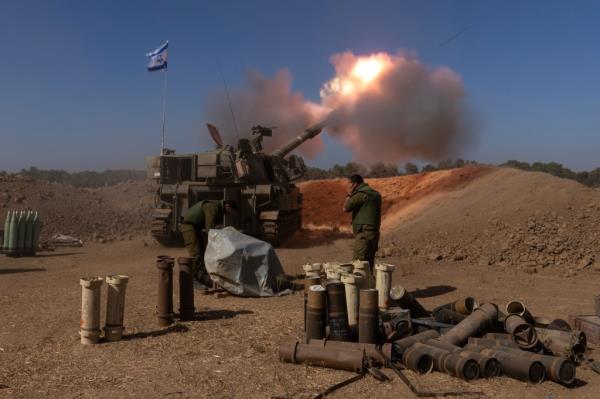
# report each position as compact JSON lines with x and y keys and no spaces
{"x":500,"y":217}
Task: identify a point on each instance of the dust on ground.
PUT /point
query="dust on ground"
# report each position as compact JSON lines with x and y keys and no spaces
{"x":230,"y":350}
{"x":478,"y":236}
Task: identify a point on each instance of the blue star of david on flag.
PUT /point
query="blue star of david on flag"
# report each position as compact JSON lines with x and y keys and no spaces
{"x":158,"y":58}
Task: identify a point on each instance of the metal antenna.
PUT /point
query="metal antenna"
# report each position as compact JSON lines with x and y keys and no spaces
{"x":237,"y":132}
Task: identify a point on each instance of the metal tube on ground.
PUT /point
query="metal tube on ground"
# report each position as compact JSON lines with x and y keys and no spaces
{"x":497,"y":336}
{"x":368,"y":316}
{"x":316,"y":312}
{"x":90,"y":309}
{"x":558,"y":369}
{"x":309,"y":281}
{"x":444,"y":315}
{"x":514,"y":366}
{"x":541,"y":322}
{"x":566,"y":344}
{"x":351,"y":283}
{"x":186,"y":289}
{"x":337,"y":312}
{"x":493,"y":343}
{"x":488,"y":366}
{"x":115,"y":307}
{"x":417,"y":361}
{"x":401,"y":345}
{"x":399,"y":296}
{"x":371,"y":350}
{"x":518,"y":308}
{"x":475,"y":323}
{"x":463,"y":306}
{"x":165,"y":290}
{"x":383,"y":283}
{"x":559,"y":324}
{"x":447,"y":362}
{"x":522,"y":332}
{"x":313,"y":355}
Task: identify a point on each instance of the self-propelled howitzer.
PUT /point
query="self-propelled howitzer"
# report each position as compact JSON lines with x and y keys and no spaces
{"x":269,"y":204}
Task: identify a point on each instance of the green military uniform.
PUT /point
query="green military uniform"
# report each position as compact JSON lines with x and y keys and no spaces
{"x":202,"y":216}
{"x":365,"y":205}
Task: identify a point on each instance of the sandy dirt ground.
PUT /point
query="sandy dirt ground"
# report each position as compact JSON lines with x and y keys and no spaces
{"x":230,"y":350}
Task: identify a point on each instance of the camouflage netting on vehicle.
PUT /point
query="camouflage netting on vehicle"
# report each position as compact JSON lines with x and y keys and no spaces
{"x":243,"y":265}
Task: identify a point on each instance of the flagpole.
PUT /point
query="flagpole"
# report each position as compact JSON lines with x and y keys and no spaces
{"x":164,"y":118}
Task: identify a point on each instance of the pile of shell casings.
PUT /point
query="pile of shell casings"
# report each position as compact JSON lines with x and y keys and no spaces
{"x":21,"y":233}
{"x":354,"y":320}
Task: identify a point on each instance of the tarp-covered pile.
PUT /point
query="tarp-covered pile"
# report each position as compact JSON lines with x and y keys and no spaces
{"x":243,"y":265}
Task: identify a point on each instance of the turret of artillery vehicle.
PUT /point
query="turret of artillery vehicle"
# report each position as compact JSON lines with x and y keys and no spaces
{"x":270,"y":205}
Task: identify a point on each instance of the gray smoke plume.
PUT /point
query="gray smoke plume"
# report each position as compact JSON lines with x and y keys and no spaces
{"x":407,"y":111}
{"x":267,"y":102}
{"x":384,"y":107}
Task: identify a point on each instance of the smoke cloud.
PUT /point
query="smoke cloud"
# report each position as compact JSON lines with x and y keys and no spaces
{"x":383,"y":107}
{"x":267,"y":102}
{"x":391,"y":108}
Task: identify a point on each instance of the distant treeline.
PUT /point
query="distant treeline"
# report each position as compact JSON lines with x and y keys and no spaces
{"x":381,"y":169}
{"x":85,"y":178}
{"x":591,"y":178}
{"x":112,"y":177}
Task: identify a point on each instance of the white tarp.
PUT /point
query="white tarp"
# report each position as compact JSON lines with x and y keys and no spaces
{"x":243,"y":265}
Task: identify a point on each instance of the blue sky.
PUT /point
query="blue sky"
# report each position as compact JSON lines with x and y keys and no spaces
{"x":75,"y":93}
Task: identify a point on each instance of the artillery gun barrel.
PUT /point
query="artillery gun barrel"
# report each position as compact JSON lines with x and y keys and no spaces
{"x":295,"y":143}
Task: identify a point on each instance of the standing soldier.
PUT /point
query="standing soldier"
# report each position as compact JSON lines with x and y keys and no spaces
{"x":365,"y":205}
{"x":200,"y":218}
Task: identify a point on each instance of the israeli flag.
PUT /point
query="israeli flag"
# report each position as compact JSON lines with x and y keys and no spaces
{"x":158,"y":58}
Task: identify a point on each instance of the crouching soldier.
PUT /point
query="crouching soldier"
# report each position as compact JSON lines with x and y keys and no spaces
{"x":200,"y":218}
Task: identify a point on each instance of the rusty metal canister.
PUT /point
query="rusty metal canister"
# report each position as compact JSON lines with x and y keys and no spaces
{"x":352,"y":283}
{"x":378,"y":354}
{"x":518,"y":308}
{"x":309,"y":281}
{"x":558,"y":369}
{"x":476,"y":322}
{"x":567,"y":344}
{"x":314,"y":355}
{"x":465,"y":367}
{"x":399,"y":296}
{"x":513,"y":366}
{"x":401,"y":345}
{"x":493,"y":343}
{"x":463,"y":306}
{"x":497,"y":336}
{"x":165,"y":266}
{"x":445,"y":315}
{"x":488,"y":366}
{"x":368,"y":316}
{"x":316,"y":312}
{"x":438,"y":355}
{"x":417,"y":360}
{"x":186,"y":289}
{"x":337,"y":312}
{"x":521,"y":331}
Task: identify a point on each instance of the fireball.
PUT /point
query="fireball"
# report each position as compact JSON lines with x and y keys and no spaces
{"x":356,"y":74}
